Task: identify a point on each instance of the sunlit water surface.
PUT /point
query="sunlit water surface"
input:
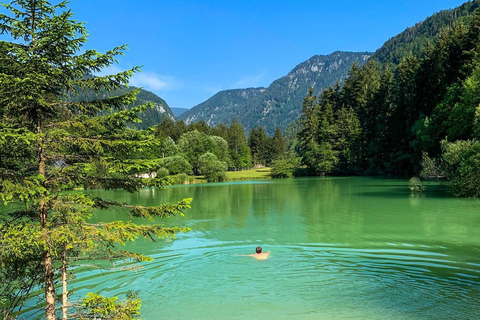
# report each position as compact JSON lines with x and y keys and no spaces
{"x":341,"y":248}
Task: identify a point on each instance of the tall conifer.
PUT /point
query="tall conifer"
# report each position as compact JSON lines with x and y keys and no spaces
{"x":49,"y":146}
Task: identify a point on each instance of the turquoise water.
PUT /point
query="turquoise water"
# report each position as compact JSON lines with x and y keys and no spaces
{"x":341,"y":248}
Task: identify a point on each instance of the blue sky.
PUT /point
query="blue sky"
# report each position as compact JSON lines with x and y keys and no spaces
{"x":190,"y":50}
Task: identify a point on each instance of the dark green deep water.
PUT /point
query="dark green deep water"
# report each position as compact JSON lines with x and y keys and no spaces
{"x":341,"y":248}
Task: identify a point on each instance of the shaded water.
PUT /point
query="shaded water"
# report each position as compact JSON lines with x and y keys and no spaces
{"x":341,"y":248}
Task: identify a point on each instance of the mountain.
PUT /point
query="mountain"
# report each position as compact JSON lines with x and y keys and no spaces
{"x":222,"y":107}
{"x":149,"y":118}
{"x":153,"y":116}
{"x":178,"y":111}
{"x":281,"y":102}
{"x":413,"y":39}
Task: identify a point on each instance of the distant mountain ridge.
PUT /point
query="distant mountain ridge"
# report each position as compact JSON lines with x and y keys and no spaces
{"x":281,"y":102}
{"x":178,"y":111}
{"x":222,"y":107}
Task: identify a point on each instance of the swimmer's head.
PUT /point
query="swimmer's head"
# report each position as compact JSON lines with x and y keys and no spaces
{"x":258,"y":249}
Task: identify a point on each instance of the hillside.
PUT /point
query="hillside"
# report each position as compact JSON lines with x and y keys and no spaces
{"x":414,"y":38}
{"x":222,"y":107}
{"x":281,"y":102}
{"x":149,"y":118}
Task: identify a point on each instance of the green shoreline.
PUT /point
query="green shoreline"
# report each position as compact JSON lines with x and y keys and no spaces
{"x":251,"y":174}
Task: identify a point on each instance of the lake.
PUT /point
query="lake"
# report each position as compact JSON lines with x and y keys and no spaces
{"x":341,"y":248}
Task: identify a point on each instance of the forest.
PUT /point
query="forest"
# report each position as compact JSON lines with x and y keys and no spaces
{"x":420,"y":117}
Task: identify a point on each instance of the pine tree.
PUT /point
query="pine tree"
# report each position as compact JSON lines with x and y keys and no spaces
{"x":279,"y":145}
{"x":258,"y":143}
{"x":49,"y":145}
{"x":240,"y":154}
{"x":310,"y":123}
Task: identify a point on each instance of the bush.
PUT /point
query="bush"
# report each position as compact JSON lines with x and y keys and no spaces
{"x":284,"y":168}
{"x":459,"y":166}
{"x":212,"y":168}
{"x":162,"y":173}
{"x":181,"y":178}
{"x":416,"y":185}
{"x":176,"y":165}
{"x":463,"y":161}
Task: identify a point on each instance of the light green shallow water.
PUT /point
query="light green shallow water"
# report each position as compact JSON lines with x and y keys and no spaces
{"x":342,"y":248}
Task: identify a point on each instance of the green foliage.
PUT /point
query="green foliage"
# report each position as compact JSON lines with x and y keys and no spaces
{"x":176,"y":165}
{"x":181,"y":178}
{"x":258,"y":142}
{"x":166,"y":148}
{"x":51,"y":142}
{"x":416,"y":185}
{"x":97,"y":306}
{"x":193,"y":144}
{"x":463,"y":162}
{"x":220,"y":148}
{"x":212,"y":168}
{"x":285,"y":167}
{"x":279,"y":145}
{"x":240,"y":154}
{"x":159,"y":112}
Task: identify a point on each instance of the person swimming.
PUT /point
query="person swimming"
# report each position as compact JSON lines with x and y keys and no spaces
{"x":259,"y":254}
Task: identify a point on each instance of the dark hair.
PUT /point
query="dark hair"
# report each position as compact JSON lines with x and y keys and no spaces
{"x":258,"y":249}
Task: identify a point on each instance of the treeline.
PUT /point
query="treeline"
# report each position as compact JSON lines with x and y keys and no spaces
{"x":392,"y":120}
{"x":209,"y":151}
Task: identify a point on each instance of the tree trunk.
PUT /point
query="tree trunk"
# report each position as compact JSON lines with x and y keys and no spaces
{"x":49,"y":286}
{"x":64,"y":283}
{"x":43,"y":210}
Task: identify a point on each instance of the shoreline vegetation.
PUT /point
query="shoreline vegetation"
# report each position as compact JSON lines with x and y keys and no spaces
{"x":242,"y":175}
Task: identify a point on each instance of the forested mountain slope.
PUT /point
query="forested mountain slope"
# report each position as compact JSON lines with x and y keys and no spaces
{"x":281,"y":102}
{"x":222,"y":107}
{"x":149,"y":118}
{"x":414,"y":39}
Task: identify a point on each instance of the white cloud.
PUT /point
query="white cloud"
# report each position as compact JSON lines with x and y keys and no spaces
{"x":249,"y":81}
{"x":154,"y":82}
{"x":147,"y":80}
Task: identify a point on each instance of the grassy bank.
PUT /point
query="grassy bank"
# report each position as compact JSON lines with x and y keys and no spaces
{"x":252,"y":174}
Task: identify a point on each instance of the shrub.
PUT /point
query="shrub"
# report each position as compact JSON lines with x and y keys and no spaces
{"x":212,"y":168}
{"x":416,"y":185}
{"x":162,"y":173}
{"x":176,"y":165}
{"x":463,"y":160}
{"x":284,"y":168}
{"x":181,"y":178}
